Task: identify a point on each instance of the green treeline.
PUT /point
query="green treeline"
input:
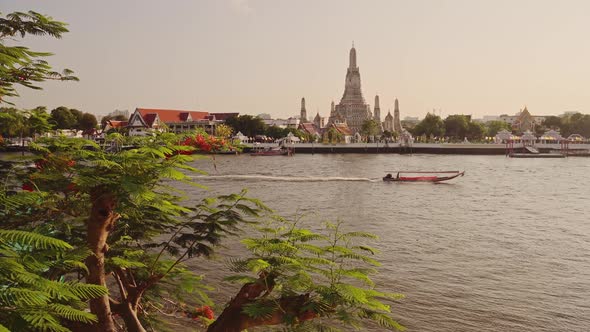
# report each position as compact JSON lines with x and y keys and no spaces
{"x":458,"y":127}
{"x":28,"y":123}
{"x":95,"y":239}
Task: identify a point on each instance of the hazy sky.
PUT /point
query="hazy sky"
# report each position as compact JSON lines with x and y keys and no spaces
{"x":261,"y":56}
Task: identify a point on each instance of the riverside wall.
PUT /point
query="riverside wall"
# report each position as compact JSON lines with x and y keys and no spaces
{"x":426,"y":148}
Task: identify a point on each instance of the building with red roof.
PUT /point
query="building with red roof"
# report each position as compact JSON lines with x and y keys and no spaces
{"x":224,"y":116}
{"x":144,"y":120}
{"x":114,"y":124}
{"x":311,"y":130}
{"x":342,"y":129}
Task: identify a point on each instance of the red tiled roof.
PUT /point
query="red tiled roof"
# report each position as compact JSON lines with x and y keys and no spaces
{"x":309,"y":128}
{"x":150,"y":118}
{"x":342,"y":128}
{"x":171,"y":115}
{"x":224,"y":116}
{"x":184,"y":116}
{"x":117,"y":124}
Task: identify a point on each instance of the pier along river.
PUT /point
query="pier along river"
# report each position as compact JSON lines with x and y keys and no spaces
{"x":504,"y":248}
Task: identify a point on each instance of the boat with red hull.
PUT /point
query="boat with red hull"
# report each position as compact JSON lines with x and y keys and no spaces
{"x":407,"y":176}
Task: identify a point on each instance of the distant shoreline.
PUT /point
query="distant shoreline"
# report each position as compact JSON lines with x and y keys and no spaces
{"x":426,"y":148}
{"x":415,"y":148}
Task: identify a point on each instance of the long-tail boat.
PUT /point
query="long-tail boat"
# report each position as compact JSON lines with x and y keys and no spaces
{"x":421,"y":176}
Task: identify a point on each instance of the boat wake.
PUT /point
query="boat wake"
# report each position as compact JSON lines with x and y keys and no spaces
{"x":284,"y":178}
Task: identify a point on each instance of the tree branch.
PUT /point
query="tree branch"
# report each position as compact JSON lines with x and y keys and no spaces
{"x":232,"y":319}
{"x":118,"y":278}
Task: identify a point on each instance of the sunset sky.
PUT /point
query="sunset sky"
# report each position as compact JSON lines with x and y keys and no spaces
{"x":261,"y":56}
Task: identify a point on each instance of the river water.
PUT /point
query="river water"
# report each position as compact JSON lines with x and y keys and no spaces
{"x":504,"y":248}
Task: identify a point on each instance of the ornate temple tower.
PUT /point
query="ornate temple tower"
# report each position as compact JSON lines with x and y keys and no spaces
{"x":377,"y":115}
{"x":377,"y":110}
{"x":397,"y":125}
{"x":388,"y":123}
{"x":335,"y":117}
{"x":352,"y":106}
{"x":318,"y":121}
{"x":303,"y":117}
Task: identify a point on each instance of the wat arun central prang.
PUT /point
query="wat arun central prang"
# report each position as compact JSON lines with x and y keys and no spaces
{"x":352,"y":109}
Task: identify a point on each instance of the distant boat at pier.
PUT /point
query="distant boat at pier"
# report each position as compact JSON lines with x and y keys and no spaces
{"x":270,"y":151}
{"x":537,"y":155}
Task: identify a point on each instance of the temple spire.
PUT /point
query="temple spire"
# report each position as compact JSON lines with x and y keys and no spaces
{"x":397,"y":126}
{"x":303,"y":111}
{"x":352,"y":109}
{"x":352,"y":58}
{"x":377,"y":110}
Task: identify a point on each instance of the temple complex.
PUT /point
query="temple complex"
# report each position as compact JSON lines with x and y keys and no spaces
{"x":349,"y":115}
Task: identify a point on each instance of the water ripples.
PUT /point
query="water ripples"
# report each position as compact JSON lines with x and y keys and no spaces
{"x":256,"y":177}
{"x":504,"y":248}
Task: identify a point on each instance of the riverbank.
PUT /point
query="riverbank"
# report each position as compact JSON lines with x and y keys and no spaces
{"x":426,"y":148}
{"x":418,"y":148}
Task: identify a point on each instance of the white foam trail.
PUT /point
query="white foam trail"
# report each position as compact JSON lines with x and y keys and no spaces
{"x":285,"y":178}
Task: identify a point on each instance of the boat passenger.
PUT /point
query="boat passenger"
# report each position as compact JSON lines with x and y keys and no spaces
{"x":388,"y":176}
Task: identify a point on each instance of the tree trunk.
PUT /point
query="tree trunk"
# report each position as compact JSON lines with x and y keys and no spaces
{"x":233,"y":320}
{"x":129,"y":315}
{"x":100,"y":224}
{"x":130,"y":297}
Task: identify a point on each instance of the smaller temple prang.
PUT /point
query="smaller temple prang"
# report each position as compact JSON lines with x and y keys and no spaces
{"x":377,"y":110}
{"x":388,"y":123}
{"x":377,"y":114}
{"x":397,"y":126}
{"x":303,"y":114}
{"x":318,"y":121}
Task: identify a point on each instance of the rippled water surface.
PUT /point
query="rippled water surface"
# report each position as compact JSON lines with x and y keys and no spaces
{"x":504,"y":248}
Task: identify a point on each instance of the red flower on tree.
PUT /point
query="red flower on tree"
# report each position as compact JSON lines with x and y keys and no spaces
{"x":27,"y":186}
{"x":72,"y":187}
{"x":207,"y":143}
{"x":204,"y":311}
{"x":40,"y":164}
